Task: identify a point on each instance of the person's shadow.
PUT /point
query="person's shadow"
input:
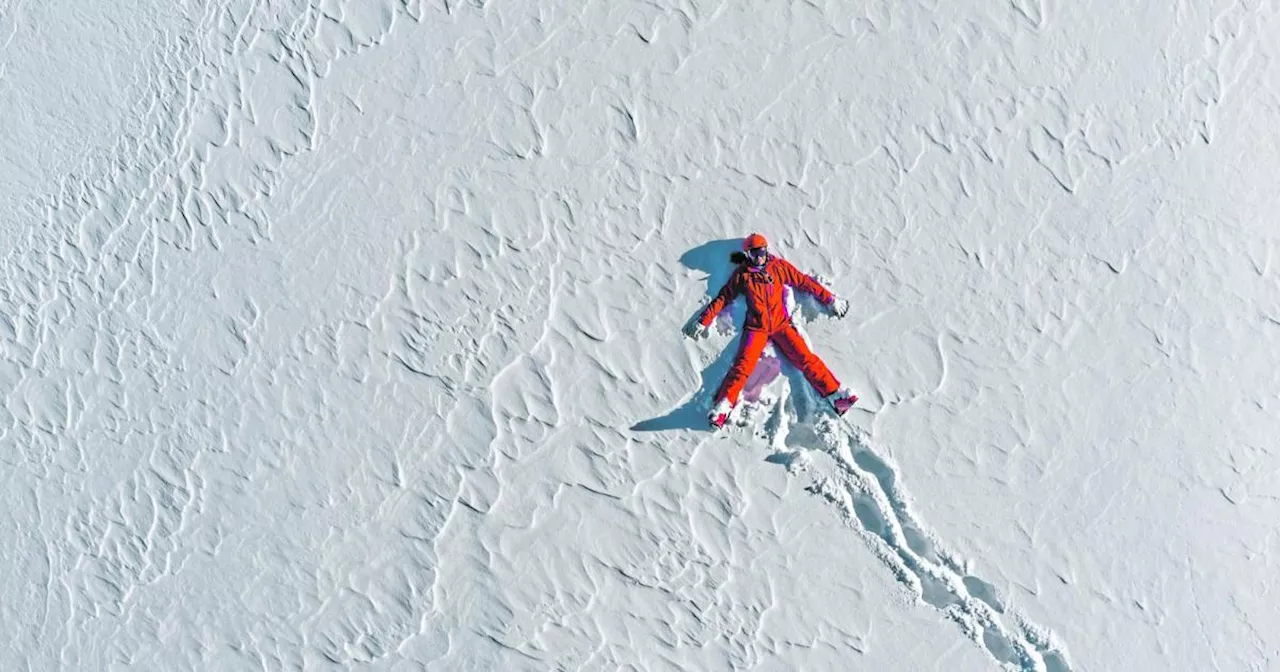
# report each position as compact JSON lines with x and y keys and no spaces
{"x":713,"y":258}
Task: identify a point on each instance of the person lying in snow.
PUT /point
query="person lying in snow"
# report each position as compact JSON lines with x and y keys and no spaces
{"x":760,"y":278}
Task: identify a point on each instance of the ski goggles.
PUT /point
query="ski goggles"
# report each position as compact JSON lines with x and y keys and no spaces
{"x":757,"y":255}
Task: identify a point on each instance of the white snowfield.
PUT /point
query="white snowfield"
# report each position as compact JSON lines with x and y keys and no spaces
{"x":346,"y":335}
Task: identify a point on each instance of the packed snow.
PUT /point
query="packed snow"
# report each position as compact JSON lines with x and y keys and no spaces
{"x":347,"y":335}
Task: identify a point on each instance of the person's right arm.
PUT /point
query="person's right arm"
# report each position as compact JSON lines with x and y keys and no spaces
{"x":726,"y":296}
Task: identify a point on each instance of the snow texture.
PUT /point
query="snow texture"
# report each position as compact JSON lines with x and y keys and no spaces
{"x":346,"y":335}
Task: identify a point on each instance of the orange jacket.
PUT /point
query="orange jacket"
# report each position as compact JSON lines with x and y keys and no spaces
{"x":763,"y":289}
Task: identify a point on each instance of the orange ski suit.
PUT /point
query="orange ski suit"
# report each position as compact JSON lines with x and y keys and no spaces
{"x":768,"y":320}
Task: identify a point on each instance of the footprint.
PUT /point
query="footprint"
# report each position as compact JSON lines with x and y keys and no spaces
{"x":1054,"y":662}
{"x":918,"y":542}
{"x":1000,"y":647}
{"x":864,"y":507}
{"x":983,"y":591}
{"x":936,"y":593}
{"x":877,"y":467}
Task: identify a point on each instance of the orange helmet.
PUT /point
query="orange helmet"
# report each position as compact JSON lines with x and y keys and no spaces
{"x":756,"y":249}
{"x":753,"y":241}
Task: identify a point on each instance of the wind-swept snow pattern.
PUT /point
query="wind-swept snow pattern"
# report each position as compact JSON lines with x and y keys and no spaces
{"x":346,"y":335}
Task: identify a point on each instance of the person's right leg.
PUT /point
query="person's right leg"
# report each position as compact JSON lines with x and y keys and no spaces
{"x":744,"y":362}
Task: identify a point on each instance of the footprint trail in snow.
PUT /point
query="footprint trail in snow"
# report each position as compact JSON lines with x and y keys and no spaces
{"x":868,"y":490}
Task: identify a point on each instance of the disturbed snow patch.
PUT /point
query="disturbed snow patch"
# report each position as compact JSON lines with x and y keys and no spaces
{"x":848,"y":470}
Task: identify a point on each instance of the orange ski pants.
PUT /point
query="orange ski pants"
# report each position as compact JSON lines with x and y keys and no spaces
{"x":792,"y":346}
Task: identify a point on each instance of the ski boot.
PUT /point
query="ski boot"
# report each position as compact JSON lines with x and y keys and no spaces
{"x":719,"y":415}
{"x":842,"y":400}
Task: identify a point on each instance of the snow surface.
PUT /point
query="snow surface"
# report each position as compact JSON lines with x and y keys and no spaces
{"x":346,"y":335}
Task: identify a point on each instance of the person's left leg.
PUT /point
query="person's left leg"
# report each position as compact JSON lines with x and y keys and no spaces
{"x":793,"y":347}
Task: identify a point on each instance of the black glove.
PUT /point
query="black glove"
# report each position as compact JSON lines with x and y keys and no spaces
{"x":696,"y":330}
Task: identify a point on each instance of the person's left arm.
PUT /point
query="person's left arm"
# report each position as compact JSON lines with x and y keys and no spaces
{"x":793,"y":277}
{"x":805,"y":283}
